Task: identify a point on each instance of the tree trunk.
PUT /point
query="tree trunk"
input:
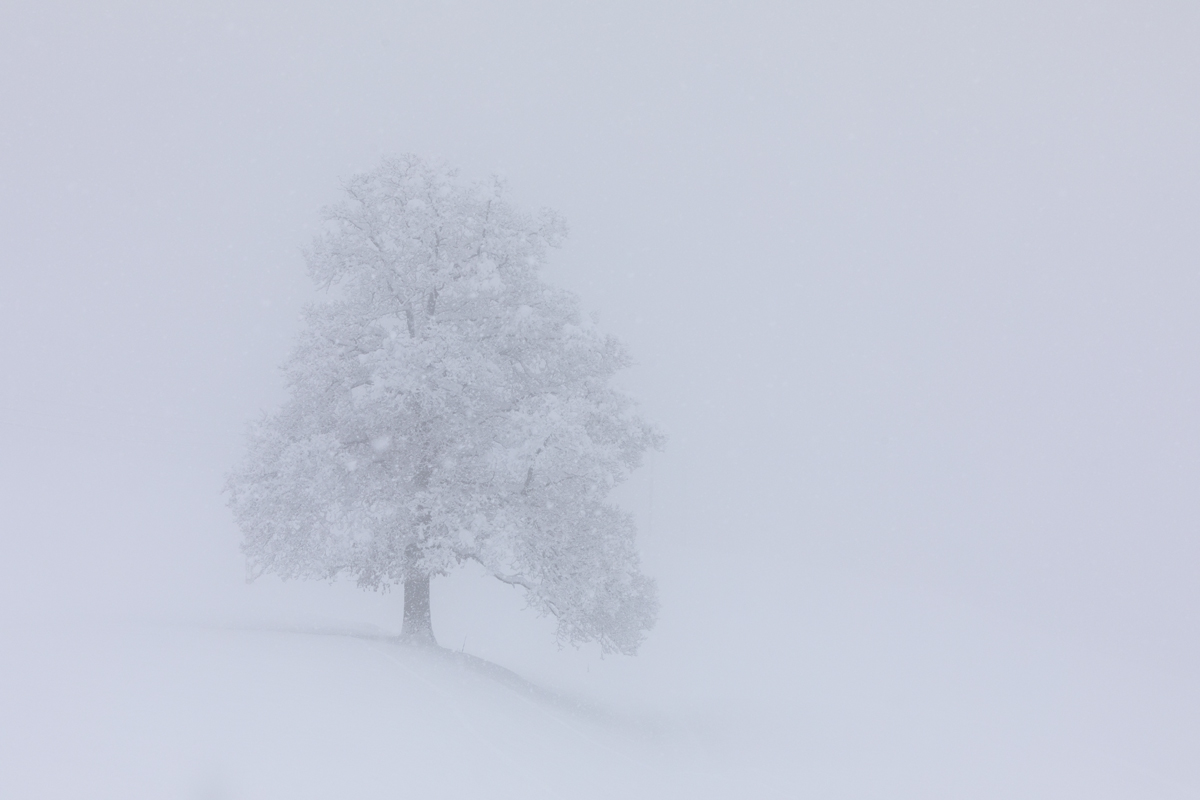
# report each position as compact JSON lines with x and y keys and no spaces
{"x":417,"y":627}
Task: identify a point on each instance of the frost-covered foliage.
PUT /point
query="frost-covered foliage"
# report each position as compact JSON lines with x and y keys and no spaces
{"x":446,"y":405}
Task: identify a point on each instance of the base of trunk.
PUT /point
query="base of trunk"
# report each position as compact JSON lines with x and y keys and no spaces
{"x":418,"y":629}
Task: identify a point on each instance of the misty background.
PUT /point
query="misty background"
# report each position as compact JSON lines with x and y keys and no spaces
{"x":912,"y":289}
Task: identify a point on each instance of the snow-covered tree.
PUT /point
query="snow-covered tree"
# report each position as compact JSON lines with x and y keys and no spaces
{"x":447,"y":406}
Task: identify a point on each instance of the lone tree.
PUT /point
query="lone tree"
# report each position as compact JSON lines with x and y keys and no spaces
{"x":447,"y":406}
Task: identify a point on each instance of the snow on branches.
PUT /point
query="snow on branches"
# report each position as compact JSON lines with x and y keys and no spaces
{"x":447,"y":405}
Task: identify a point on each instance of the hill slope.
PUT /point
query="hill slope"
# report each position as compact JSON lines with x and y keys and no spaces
{"x":260,"y":713}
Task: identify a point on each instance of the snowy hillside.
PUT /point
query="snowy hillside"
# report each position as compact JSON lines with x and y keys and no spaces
{"x":901,"y":699}
{"x":227,"y":713}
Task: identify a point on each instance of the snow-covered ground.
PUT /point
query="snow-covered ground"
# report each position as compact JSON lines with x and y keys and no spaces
{"x":899,"y":698}
{"x":259,"y":713}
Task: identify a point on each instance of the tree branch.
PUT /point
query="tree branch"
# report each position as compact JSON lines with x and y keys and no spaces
{"x":509,"y":579}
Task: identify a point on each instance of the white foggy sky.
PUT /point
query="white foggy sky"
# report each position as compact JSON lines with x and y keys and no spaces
{"x":911,"y":287}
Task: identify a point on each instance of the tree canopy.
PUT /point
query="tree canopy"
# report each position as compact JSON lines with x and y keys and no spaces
{"x":446,"y":405}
